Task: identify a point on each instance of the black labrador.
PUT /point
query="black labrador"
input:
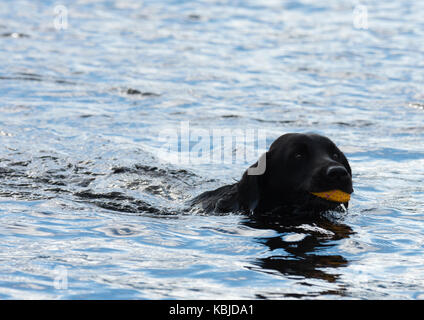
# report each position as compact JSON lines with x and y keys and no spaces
{"x":285,"y":178}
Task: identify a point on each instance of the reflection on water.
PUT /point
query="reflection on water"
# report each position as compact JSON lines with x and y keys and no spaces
{"x":302,"y":241}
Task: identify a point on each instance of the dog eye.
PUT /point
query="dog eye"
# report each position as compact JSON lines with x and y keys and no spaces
{"x":335,"y":156}
{"x":298,"y":155}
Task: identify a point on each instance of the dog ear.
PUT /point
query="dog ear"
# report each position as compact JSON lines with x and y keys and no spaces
{"x":249,"y":187}
{"x":248,"y":192}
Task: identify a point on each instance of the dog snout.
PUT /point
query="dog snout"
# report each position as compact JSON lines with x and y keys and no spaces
{"x":337,"y":173}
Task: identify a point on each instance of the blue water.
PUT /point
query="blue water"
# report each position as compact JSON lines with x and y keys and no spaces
{"x":91,"y":208}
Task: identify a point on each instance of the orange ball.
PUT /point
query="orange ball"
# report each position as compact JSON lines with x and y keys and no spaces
{"x":333,"y":195}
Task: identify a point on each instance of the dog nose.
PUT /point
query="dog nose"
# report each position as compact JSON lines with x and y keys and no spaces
{"x":337,"y":172}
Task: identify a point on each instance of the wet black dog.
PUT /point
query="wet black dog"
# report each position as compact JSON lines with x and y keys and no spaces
{"x":284,"y":178}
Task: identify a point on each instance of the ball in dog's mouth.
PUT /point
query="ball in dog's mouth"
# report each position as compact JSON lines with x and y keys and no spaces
{"x":333,"y":195}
